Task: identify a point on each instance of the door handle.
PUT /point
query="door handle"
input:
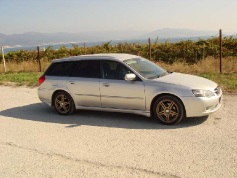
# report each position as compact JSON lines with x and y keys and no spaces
{"x":72,"y":82}
{"x":106,"y":84}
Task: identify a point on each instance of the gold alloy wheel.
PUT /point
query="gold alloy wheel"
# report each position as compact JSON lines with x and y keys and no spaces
{"x":62,"y":104}
{"x":167,"y":111}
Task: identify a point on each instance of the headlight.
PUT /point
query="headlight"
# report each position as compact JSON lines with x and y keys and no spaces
{"x":203,"y":93}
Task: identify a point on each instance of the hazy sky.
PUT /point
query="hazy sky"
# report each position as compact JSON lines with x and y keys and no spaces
{"x":19,"y":16}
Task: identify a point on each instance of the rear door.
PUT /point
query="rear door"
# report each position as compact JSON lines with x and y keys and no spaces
{"x":84,"y":83}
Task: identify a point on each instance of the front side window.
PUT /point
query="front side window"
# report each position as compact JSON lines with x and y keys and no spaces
{"x":87,"y":69}
{"x":146,"y":68}
{"x":114,"y":70}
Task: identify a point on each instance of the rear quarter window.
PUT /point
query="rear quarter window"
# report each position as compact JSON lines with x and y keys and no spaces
{"x":60,"y":69}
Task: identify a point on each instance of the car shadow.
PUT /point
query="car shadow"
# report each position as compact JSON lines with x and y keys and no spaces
{"x":42,"y":113}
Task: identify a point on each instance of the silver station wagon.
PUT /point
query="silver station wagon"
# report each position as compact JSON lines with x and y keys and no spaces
{"x":126,"y":83}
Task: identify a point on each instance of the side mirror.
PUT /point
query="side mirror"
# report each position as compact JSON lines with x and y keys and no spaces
{"x":130,"y":77}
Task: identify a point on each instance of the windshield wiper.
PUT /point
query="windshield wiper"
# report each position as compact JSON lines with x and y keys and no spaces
{"x":162,"y":75}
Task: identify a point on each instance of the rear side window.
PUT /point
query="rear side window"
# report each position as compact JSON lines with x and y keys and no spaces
{"x":60,"y":69}
{"x":87,"y":69}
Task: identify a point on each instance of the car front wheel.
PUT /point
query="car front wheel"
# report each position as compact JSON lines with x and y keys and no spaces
{"x":63,"y":103}
{"x":168,"y":110}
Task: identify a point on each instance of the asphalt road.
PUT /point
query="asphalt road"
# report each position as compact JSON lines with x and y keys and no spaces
{"x":36,"y":142}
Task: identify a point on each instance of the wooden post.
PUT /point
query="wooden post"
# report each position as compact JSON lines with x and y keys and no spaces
{"x":84,"y":47}
{"x":149,"y":45}
{"x":195,"y":55}
{"x":38,"y":58}
{"x":3,"y":58}
{"x":220,"y":48}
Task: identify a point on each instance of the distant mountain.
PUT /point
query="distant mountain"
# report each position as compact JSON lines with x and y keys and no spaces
{"x":34,"y":38}
{"x":178,"y":33}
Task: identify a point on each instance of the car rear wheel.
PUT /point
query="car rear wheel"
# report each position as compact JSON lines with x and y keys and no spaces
{"x":168,"y":110}
{"x":63,"y":103}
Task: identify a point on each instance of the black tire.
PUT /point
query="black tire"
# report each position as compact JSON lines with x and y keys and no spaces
{"x":63,"y":103}
{"x":168,"y":110}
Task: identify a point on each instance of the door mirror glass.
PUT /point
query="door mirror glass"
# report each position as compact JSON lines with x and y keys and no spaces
{"x":130,"y":77}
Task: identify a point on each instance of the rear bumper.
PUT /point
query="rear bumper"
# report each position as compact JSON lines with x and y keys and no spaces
{"x":45,"y":95}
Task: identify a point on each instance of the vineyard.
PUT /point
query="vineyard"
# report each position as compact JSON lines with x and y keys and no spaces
{"x":189,"y":51}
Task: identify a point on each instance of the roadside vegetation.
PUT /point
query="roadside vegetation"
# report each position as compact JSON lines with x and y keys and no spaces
{"x":192,"y":57}
{"x":29,"y":79}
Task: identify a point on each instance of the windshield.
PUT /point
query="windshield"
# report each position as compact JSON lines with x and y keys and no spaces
{"x":146,"y":68}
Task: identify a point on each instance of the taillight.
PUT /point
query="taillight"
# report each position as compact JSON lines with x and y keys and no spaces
{"x":41,"y":79}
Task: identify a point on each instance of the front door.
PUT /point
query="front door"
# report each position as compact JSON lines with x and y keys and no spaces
{"x":118,"y":93}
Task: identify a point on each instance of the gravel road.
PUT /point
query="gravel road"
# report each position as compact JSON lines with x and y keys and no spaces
{"x":36,"y":142}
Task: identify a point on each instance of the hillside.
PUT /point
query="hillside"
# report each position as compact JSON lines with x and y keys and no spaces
{"x":35,"y":38}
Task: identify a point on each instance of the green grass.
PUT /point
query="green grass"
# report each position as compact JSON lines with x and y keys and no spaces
{"x":20,"y":79}
{"x":228,"y":81}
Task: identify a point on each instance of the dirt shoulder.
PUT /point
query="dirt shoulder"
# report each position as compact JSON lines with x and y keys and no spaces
{"x":36,"y":142}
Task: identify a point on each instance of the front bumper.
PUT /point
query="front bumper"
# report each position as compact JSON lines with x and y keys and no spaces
{"x":201,"y":106}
